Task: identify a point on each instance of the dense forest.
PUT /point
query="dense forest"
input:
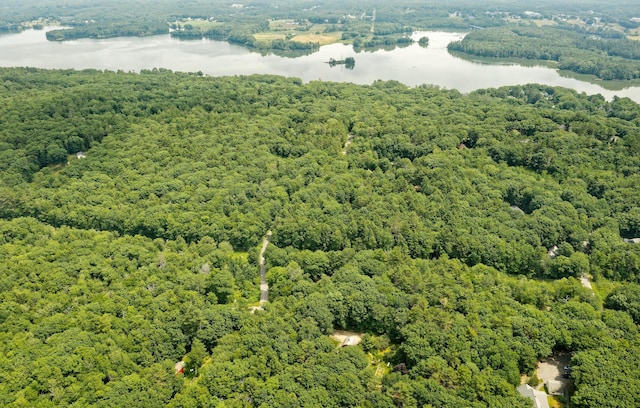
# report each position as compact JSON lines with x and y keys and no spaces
{"x":451,"y":230}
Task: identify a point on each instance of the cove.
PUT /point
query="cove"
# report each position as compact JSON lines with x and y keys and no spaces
{"x":412,"y":65}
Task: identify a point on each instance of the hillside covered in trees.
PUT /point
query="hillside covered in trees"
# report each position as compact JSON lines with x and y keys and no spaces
{"x":451,"y":230}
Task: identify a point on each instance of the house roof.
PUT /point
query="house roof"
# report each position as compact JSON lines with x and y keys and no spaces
{"x":555,"y":387}
{"x":539,"y":398}
{"x":350,"y":341}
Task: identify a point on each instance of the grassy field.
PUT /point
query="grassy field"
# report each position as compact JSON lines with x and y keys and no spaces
{"x":300,"y":32}
{"x":576,"y":22}
{"x":268,"y":36}
{"x":322,"y":39}
{"x":293,"y":30}
{"x":544,"y":22}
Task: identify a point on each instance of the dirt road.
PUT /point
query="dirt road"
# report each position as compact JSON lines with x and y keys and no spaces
{"x":264,"y":286}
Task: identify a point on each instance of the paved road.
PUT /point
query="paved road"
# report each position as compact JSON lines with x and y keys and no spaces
{"x":264,"y":286}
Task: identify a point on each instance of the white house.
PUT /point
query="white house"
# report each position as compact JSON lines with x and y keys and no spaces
{"x":539,"y":398}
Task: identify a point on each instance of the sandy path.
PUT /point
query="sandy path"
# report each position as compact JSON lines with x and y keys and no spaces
{"x":264,"y":286}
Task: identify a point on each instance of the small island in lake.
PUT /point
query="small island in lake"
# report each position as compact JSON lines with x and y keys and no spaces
{"x":348,"y":62}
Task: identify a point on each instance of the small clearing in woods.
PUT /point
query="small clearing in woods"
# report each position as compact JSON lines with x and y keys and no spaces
{"x":341,"y":336}
{"x":552,"y":368}
{"x":586,"y":282}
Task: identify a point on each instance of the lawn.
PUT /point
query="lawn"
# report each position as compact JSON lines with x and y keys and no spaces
{"x":544,"y":22}
{"x":322,"y":39}
{"x":268,"y":36}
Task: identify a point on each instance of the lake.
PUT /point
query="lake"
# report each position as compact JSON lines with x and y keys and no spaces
{"x":412,"y":65}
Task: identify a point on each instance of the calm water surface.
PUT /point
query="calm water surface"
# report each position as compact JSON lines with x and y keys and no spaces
{"x":412,"y":65}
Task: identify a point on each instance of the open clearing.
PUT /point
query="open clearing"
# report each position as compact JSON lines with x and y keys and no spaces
{"x":322,"y":39}
{"x":342,"y":335}
{"x":269,"y":36}
{"x":544,"y":22}
{"x":551,"y":369}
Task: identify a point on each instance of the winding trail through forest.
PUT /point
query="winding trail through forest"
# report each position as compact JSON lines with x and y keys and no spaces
{"x":347,"y":143}
{"x":373,"y":22}
{"x":264,"y":286}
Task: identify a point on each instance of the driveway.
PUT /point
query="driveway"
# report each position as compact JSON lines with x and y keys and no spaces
{"x":551,"y":369}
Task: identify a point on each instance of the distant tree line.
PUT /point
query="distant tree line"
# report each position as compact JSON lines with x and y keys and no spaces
{"x":604,"y":56}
